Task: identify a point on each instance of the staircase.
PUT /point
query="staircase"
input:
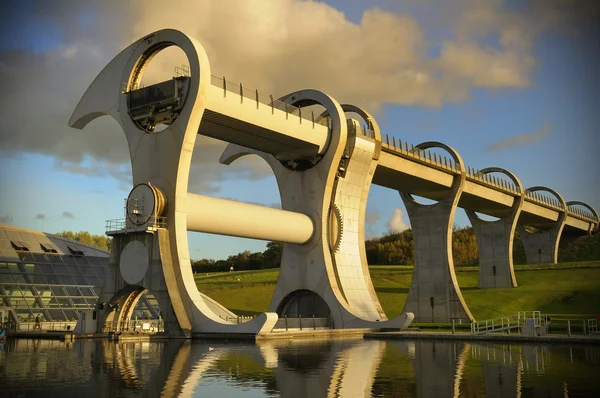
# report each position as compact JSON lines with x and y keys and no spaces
{"x":531,"y":321}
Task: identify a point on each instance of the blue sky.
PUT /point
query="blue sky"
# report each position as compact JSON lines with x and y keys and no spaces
{"x":53,"y":178}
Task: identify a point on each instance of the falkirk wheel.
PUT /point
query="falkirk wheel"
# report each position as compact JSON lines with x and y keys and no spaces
{"x":324,"y":270}
{"x":324,"y":164}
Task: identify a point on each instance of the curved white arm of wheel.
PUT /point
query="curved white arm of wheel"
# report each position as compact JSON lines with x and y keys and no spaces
{"x":245,"y":220}
{"x":198,"y":370}
{"x":355,"y":369}
{"x":100,"y":99}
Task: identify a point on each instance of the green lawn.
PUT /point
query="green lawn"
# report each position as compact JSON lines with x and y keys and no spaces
{"x":243,"y":292}
{"x":567,"y":291}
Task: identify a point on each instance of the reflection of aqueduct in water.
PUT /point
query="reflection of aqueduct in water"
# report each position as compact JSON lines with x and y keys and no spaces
{"x":339,"y":368}
{"x":334,"y":368}
{"x":324,"y":163}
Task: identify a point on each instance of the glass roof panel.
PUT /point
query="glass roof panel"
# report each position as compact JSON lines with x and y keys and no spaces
{"x":92,"y":301}
{"x":81,"y":260}
{"x":26,"y":291}
{"x":80,"y":280}
{"x":53,"y":303}
{"x":53,"y":279}
{"x":46,"y":268}
{"x":55,"y":258}
{"x":40,"y":258}
{"x":67,"y":280}
{"x":61,"y":269}
{"x":57,"y":315}
{"x":68,"y":259}
{"x":58,"y":290}
{"x":96,"y":282}
{"x":71,"y":315}
{"x":88,"y":271}
{"x":14,"y":268}
{"x":38,"y":278}
{"x":32,"y":269}
{"x":94,"y":260}
{"x":75,"y":270}
{"x":12,"y":290}
{"x":79,"y":302}
{"x":86,"y":291}
{"x":64,"y":302}
{"x":39,"y":282}
{"x":72,"y":291}
{"x":26,"y":257}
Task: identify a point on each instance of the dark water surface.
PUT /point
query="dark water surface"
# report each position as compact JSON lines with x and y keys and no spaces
{"x":422,"y":368}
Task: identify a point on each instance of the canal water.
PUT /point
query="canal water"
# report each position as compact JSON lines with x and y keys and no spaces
{"x":348,"y":368}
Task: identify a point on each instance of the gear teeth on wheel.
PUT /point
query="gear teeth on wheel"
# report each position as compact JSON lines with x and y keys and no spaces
{"x":340,"y":230}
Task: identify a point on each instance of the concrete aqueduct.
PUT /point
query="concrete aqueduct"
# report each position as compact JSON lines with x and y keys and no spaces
{"x":324,"y":164}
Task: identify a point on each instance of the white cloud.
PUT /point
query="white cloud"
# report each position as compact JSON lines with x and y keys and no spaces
{"x":277,"y":46}
{"x":68,"y":214}
{"x":371,"y":219}
{"x":520,"y":139}
{"x":69,"y":52}
{"x":397,"y":223}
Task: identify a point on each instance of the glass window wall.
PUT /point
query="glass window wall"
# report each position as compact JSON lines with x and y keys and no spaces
{"x":53,"y":286}
{"x":52,"y":279}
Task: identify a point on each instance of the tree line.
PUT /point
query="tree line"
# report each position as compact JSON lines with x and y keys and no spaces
{"x":389,"y":249}
{"x":99,"y":241}
{"x":398,"y":249}
{"x":246,"y":260}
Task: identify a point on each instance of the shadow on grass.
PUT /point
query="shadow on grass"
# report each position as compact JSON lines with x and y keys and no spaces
{"x":468,"y":288}
{"x":233,"y":285}
{"x":391,"y":290}
{"x":245,"y":312}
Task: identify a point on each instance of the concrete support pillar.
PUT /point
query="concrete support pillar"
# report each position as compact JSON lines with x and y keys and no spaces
{"x":437,"y":366}
{"x":501,"y":371}
{"x":333,"y":191}
{"x":126,"y":280}
{"x":434,"y":294}
{"x":495,"y":240}
{"x":501,"y":379}
{"x":541,"y":247}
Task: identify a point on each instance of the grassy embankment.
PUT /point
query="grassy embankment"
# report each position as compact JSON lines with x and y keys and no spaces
{"x":565,"y":291}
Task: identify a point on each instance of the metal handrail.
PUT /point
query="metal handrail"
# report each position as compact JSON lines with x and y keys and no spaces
{"x":32,"y":326}
{"x":124,"y":224}
{"x":509,"y":322}
{"x":135,"y":326}
{"x":254,"y":95}
{"x":409,"y":150}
